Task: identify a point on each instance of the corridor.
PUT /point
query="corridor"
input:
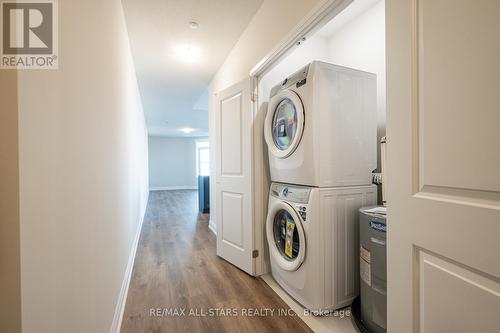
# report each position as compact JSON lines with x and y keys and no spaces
{"x":177,"y":270}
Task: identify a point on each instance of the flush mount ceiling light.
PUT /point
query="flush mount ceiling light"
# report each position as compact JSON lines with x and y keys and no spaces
{"x":188,"y":53}
{"x":193,"y":25}
{"x":186,"y":130}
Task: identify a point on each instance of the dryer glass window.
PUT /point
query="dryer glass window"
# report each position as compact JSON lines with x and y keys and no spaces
{"x":286,"y":236}
{"x":284,"y":124}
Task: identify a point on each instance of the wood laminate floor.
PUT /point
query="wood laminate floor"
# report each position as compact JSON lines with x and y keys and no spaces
{"x":176,"y":269}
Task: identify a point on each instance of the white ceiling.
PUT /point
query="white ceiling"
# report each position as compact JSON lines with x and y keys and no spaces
{"x":174,"y":93}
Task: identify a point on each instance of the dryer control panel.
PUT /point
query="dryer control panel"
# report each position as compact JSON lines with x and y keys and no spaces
{"x":297,"y":79}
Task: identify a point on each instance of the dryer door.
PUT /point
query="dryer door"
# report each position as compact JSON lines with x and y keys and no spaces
{"x":284,"y":123}
{"x":285,"y":236}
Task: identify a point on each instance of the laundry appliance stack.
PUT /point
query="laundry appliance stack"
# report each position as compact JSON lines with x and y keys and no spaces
{"x":321,"y":133}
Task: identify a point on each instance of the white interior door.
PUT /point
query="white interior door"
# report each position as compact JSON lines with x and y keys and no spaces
{"x":443,"y":118}
{"x":234,"y":176}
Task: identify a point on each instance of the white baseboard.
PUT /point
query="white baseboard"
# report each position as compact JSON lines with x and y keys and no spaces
{"x":172,"y":188}
{"x":122,"y":297}
{"x":212,"y":226}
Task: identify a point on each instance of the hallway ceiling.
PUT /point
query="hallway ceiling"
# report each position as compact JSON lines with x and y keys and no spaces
{"x":174,"y":92}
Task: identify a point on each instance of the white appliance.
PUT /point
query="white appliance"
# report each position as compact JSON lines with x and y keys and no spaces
{"x":313,"y":243}
{"x":321,"y":127}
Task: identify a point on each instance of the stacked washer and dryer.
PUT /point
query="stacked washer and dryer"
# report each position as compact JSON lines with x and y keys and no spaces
{"x":320,"y":130}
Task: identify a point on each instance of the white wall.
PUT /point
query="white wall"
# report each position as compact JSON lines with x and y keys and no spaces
{"x":10,"y":261}
{"x":272,"y":22}
{"x":83,"y":173}
{"x":172,"y":162}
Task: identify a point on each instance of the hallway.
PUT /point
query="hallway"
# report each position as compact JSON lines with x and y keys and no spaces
{"x":176,"y":268}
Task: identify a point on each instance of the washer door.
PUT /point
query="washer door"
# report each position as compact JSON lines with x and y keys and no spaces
{"x":285,"y":236}
{"x":284,"y":123}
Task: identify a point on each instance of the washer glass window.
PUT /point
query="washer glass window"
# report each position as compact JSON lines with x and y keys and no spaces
{"x":286,"y":236}
{"x":284,"y":124}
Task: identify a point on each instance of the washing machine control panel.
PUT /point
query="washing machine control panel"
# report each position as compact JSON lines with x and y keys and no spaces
{"x":291,"y":193}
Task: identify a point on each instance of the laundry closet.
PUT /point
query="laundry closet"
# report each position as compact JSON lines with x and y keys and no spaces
{"x":325,"y":116}
{"x":308,"y":165}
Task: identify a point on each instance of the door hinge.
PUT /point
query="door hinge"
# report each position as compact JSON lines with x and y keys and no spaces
{"x":255,"y":253}
{"x":254,"y":97}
